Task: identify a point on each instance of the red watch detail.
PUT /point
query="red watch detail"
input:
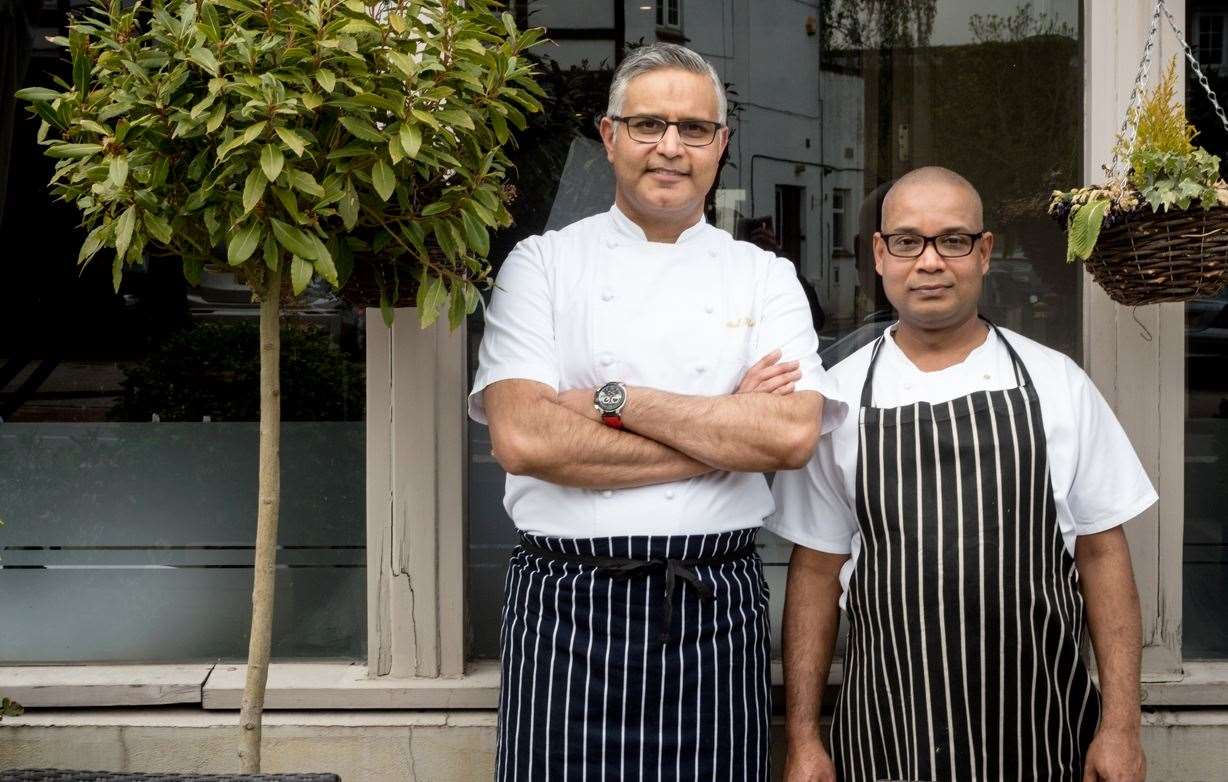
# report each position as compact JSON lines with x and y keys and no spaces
{"x":612,"y":420}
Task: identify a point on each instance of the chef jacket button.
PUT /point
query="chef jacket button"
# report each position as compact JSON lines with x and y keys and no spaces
{"x":607,"y":295}
{"x":700,"y":369}
{"x":607,"y":493}
{"x":708,"y":308}
{"x":606,"y":360}
{"x":711,"y":253}
{"x":987,"y":375}
{"x":669,"y":494}
{"x":611,"y":243}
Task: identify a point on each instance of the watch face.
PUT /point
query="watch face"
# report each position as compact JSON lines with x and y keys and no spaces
{"x":610,"y":397}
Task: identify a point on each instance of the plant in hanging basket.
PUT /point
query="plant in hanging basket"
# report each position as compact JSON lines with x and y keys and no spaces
{"x":1157,"y":230}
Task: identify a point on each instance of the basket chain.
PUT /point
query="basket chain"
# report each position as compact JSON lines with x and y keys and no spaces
{"x":1128,"y":131}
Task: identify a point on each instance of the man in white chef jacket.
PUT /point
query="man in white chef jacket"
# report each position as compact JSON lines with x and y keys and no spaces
{"x":639,"y":370}
{"x":967,"y":516}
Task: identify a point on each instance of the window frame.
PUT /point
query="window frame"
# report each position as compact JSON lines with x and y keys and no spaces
{"x":1199,"y":20}
{"x":662,"y":15}
{"x":416,"y":385}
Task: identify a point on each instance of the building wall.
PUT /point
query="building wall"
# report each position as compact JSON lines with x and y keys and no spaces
{"x":1182,"y":746}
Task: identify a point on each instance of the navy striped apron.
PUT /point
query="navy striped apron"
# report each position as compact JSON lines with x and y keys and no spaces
{"x":635,"y":657}
{"x":965,"y":615}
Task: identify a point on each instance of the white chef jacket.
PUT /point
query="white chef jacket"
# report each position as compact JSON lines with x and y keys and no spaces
{"x":595,"y":302}
{"x":1098,"y":481}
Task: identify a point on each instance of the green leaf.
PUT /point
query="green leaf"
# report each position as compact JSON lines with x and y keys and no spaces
{"x":215,"y":119}
{"x":438,"y":207}
{"x":325,"y":267}
{"x":291,"y":139}
{"x":475,"y":234}
{"x":403,"y":63}
{"x":118,"y":170}
{"x":301,"y":180}
{"x":117,"y":272}
{"x":411,"y":139}
{"x":271,"y":161}
{"x":1084,"y":229}
{"x":385,"y":309}
{"x":294,"y":240}
{"x":456,"y":117}
{"x":253,"y":132}
{"x":253,"y":189}
{"x":123,"y":231}
{"x":509,"y":24}
{"x":244,"y":242}
{"x":93,"y":242}
{"x":157,"y":227}
{"x":300,"y":274}
{"x":384,"y":179}
{"x":326,"y":79}
{"x":205,"y":59}
{"x":362,"y":129}
{"x":348,"y":206}
{"x":272,"y":257}
{"x":435,"y":298}
{"x":63,"y":151}
{"x":193,"y":268}
{"x":41,"y":94}
{"x":456,"y":307}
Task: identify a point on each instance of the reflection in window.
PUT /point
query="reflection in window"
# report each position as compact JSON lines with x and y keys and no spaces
{"x":1209,"y":38}
{"x":821,"y":125}
{"x":128,"y":444}
{"x":668,"y":13}
{"x":1204,"y":614}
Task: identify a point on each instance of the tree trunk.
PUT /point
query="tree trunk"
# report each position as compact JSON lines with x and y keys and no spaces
{"x":266,"y":525}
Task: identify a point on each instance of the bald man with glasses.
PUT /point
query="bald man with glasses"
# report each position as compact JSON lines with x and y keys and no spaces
{"x":968,"y":520}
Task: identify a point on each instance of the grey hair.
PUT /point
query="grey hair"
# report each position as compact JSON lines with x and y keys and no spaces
{"x":655,"y":57}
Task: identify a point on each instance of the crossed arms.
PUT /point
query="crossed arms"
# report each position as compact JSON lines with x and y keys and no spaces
{"x":559,"y":437}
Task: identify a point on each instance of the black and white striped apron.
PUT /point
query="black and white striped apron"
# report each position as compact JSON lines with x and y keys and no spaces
{"x":965,"y":615}
{"x":610,"y":674}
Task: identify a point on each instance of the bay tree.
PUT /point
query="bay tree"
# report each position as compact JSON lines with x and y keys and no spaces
{"x":288,"y":141}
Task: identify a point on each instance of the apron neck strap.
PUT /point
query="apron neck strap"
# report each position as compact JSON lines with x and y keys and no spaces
{"x":1022,"y":378}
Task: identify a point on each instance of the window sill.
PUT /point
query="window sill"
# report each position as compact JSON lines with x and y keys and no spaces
{"x":339,"y":686}
{"x":50,"y":686}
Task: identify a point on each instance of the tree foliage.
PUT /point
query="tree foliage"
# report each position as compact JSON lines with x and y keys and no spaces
{"x":309,"y":137}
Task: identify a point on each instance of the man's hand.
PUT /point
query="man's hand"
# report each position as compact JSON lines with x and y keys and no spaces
{"x":769,"y":377}
{"x":1115,"y":756}
{"x":808,"y":761}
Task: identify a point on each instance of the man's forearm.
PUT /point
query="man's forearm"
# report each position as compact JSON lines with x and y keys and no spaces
{"x":808,"y":635}
{"x":738,"y":432}
{"x":534,"y":436}
{"x":1114,"y":622}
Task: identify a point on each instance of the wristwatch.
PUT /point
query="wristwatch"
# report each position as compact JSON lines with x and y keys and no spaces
{"x":609,"y":401}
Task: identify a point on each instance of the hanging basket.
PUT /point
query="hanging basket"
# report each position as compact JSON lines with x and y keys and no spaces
{"x":1168,"y":256}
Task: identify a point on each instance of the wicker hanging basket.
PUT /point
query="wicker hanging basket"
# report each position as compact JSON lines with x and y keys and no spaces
{"x":1171,"y":255}
{"x":1166,"y":256}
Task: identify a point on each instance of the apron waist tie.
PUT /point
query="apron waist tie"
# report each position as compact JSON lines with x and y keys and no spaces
{"x":675,"y":570}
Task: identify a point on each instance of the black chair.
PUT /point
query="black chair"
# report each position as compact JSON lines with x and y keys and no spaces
{"x":61,"y":775}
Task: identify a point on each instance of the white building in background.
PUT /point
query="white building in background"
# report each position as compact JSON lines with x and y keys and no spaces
{"x":796,"y":155}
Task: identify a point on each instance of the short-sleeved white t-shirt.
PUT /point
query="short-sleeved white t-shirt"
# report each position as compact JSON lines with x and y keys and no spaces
{"x":597,"y":302}
{"x":1097,"y":479}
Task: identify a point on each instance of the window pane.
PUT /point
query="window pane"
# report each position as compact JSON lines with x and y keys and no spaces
{"x":1205,"y":616}
{"x":128,"y":448}
{"x":868,"y":103}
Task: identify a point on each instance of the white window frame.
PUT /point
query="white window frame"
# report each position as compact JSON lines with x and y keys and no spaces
{"x":416,"y":462}
{"x":1199,"y":17}
{"x":663,"y":7}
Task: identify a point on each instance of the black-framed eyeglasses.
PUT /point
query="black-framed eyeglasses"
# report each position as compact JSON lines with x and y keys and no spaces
{"x":949,"y":245}
{"x":650,"y":130}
